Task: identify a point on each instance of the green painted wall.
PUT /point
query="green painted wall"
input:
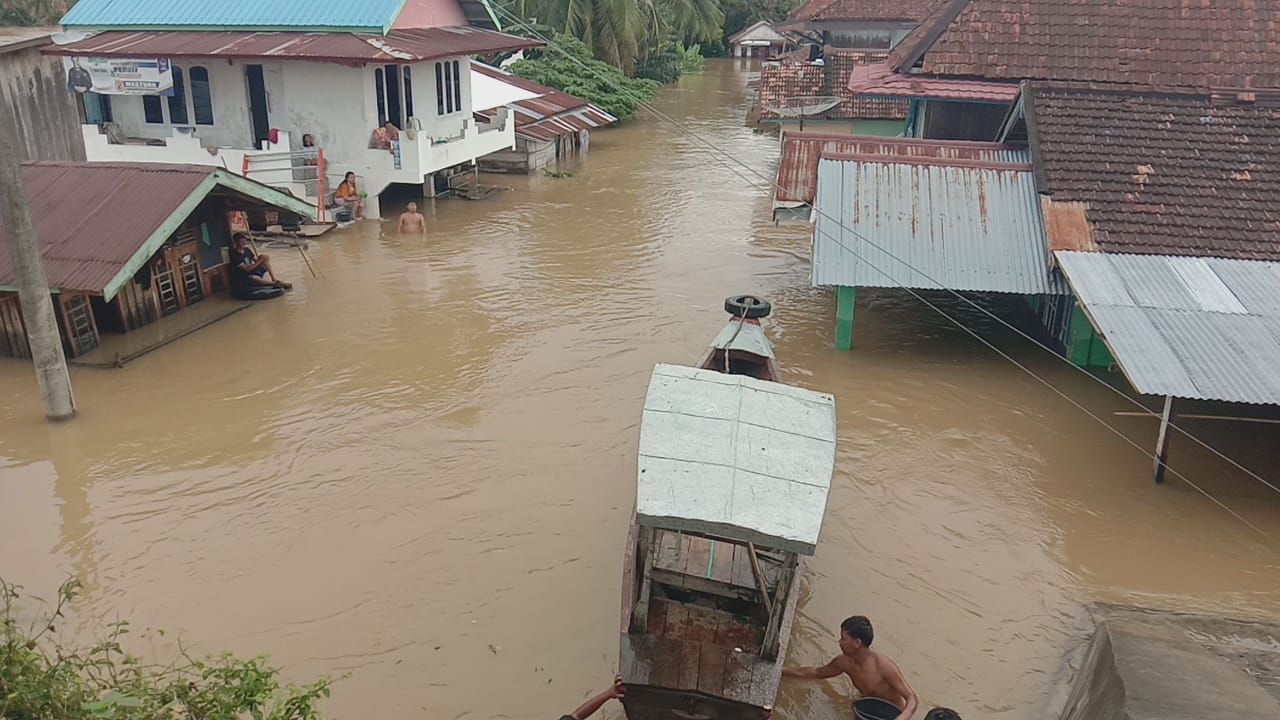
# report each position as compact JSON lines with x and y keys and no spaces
{"x":1085,"y":347}
{"x":844,"y":317}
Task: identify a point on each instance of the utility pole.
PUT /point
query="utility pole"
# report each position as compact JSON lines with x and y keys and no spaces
{"x":33,"y":286}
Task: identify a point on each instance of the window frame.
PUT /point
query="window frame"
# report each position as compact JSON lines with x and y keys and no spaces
{"x":158,"y":109}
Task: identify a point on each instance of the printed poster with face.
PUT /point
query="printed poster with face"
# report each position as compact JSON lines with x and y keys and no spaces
{"x":119,"y":76}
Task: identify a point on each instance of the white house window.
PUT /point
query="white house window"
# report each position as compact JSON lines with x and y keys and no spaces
{"x":182,"y":105}
{"x":394,"y":93}
{"x":448,"y":87}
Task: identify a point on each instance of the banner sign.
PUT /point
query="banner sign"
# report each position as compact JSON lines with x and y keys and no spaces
{"x":119,"y":76}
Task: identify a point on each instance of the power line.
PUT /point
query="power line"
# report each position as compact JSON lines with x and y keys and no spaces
{"x":771,"y":185}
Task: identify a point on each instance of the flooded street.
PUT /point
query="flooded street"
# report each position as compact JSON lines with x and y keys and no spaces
{"x":419,"y":470}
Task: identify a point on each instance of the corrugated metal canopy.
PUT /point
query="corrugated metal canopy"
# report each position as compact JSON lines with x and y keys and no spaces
{"x":94,"y":220}
{"x":396,"y":46}
{"x":736,"y":457}
{"x":1187,"y":327}
{"x":366,"y":15}
{"x":950,"y":224}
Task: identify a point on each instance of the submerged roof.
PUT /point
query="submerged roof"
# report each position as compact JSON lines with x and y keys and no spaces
{"x":798,"y":166}
{"x":546,"y":113}
{"x":794,"y":79}
{"x":930,"y":224}
{"x":854,"y":10}
{"x":879,"y":80}
{"x":97,"y":223}
{"x":1159,"y":173}
{"x":13,"y":39}
{"x":365,"y":15}
{"x":1201,"y":328}
{"x":396,"y":46}
{"x":736,"y":457}
{"x":1182,"y":43}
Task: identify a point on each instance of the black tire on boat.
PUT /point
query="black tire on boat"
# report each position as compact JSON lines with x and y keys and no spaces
{"x":256,"y":292}
{"x":748,"y":306}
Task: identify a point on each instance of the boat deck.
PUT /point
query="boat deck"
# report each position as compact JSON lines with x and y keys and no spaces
{"x":705,"y":667}
{"x":705,"y":565}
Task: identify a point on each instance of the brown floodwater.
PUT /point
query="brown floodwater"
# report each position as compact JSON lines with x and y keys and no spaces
{"x":418,"y":471}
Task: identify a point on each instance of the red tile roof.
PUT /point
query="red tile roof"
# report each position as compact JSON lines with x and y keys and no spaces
{"x":791,"y":79}
{"x":397,"y":46}
{"x":1163,"y":43}
{"x":864,"y":9}
{"x":798,"y":167}
{"x":1160,"y":173}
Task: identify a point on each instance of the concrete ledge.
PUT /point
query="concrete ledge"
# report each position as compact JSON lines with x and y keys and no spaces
{"x":1150,"y":667}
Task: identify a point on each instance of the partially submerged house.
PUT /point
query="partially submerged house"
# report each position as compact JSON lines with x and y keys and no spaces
{"x":760,"y":40}
{"x":858,"y":24}
{"x":125,"y":244}
{"x":550,"y":125}
{"x":961,"y":65}
{"x":35,"y":91}
{"x":237,"y":85}
{"x":796,"y":93}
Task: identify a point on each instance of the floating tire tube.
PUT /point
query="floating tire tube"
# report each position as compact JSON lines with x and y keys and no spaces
{"x":263,"y":292}
{"x":748,"y":306}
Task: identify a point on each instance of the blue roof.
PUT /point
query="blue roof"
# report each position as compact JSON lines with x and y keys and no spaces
{"x":316,"y":15}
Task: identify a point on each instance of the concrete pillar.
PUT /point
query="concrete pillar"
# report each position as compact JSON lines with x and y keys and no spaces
{"x":33,"y":286}
{"x":844,"y":317}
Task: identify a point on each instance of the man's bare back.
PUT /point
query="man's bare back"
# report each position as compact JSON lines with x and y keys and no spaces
{"x":412,"y":221}
{"x":873,"y":674}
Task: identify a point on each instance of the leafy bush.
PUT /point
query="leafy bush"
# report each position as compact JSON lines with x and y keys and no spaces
{"x":582,"y":75}
{"x":42,"y":678}
{"x":661,"y":65}
{"x":692,"y":60}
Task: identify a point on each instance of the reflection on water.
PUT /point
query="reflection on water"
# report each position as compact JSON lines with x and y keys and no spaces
{"x":431,"y":451}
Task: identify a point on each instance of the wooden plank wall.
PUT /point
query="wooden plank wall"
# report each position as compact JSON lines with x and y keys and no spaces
{"x":13,"y":329}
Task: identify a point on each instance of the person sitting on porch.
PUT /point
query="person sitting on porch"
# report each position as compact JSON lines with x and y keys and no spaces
{"x":347,"y":197}
{"x":249,"y":269}
{"x":309,"y":147}
{"x":384,"y":136}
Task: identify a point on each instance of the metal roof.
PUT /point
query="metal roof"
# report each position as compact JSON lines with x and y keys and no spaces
{"x":95,"y":221}
{"x":743,"y":336}
{"x":550,"y":113}
{"x":736,"y":457}
{"x":798,"y":166}
{"x":366,"y":15}
{"x":13,"y":39}
{"x":396,"y":46}
{"x":969,"y":225}
{"x":1188,"y":327}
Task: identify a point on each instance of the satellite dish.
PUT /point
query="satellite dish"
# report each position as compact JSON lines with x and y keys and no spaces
{"x":802,"y":106}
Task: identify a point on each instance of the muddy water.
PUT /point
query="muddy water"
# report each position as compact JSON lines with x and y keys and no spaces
{"x":418,"y":470}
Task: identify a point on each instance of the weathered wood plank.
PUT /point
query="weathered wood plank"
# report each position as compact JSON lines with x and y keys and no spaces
{"x":784,"y":607}
{"x":667,"y":660}
{"x":735,"y":634}
{"x":698,"y":553}
{"x":669,"y":552}
{"x":677,"y":621}
{"x":635,"y":658}
{"x":702,"y":585}
{"x":742,"y":568}
{"x":722,"y":562}
{"x":657,"y":617}
{"x":644,"y":546}
{"x":738,"y":669}
{"x":701,"y":625}
{"x":690,"y":659}
{"x":711,"y":668}
{"x":630,"y":582}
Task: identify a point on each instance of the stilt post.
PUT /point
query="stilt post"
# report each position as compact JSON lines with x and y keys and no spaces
{"x":1162,"y":441}
{"x":844,"y":317}
{"x":33,"y":284}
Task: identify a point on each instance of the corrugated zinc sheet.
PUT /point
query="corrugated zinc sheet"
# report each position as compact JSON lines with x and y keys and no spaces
{"x":950,"y":224}
{"x":551,"y":113}
{"x":1189,"y":327}
{"x":396,"y":46}
{"x":92,"y":217}
{"x":736,"y":457}
{"x":798,"y":166}
{"x":367,"y":15}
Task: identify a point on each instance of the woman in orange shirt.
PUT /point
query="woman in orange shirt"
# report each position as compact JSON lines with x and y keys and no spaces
{"x":347,"y":197}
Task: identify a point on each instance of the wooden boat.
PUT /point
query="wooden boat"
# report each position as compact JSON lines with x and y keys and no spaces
{"x":732,"y":480}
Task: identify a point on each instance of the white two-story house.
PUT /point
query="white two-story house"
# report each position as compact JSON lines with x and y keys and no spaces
{"x":239,"y":83}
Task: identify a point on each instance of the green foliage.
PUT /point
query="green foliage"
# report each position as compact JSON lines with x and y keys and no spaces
{"x":741,"y":14}
{"x":42,"y":678}
{"x":691,"y":60}
{"x":661,"y":65}
{"x":620,"y":32}
{"x":588,"y":78}
{"x":32,"y":12}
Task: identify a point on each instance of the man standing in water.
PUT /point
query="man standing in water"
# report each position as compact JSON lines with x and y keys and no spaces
{"x":873,"y":674}
{"x":411,"y":221}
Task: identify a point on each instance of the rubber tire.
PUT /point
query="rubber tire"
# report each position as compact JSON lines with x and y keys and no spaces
{"x":259,"y":292}
{"x":747,"y":306}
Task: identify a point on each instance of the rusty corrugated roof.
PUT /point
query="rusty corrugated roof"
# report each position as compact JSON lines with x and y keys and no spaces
{"x":92,"y":218}
{"x":552,"y":113}
{"x":798,"y":167}
{"x":401,"y":45}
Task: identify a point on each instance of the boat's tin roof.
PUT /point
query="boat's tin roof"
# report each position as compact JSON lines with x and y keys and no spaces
{"x":737,"y":457}
{"x":744,"y":336}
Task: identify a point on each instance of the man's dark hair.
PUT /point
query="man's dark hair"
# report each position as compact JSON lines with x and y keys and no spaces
{"x":240,"y":236}
{"x":941,"y":713}
{"x":858,"y":627}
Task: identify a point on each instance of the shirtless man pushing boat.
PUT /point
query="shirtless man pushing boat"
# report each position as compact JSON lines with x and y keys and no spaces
{"x":873,"y":674}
